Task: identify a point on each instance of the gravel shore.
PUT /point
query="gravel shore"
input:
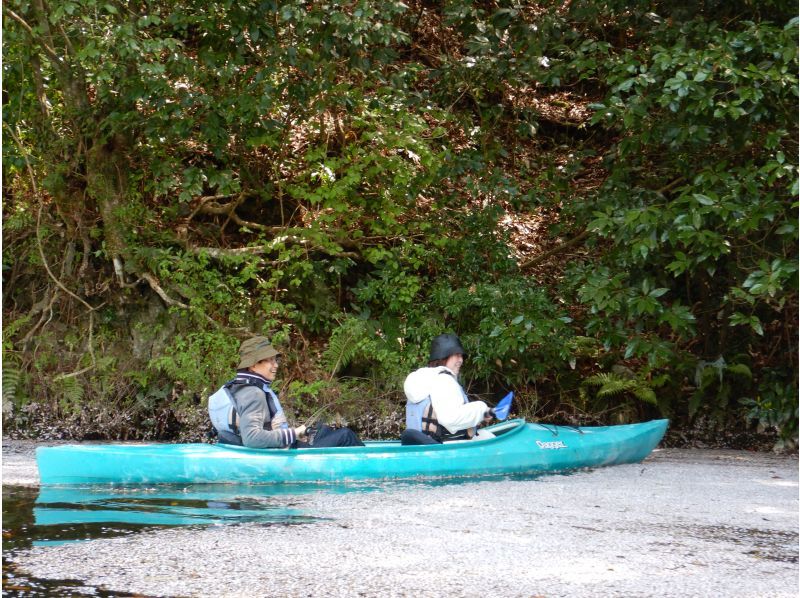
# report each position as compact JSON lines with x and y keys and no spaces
{"x":19,"y":463}
{"x":683,"y":523}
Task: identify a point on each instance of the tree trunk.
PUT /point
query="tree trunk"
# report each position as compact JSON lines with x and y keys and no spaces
{"x":107,"y":183}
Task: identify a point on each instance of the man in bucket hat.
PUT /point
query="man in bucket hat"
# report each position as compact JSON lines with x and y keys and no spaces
{"x":246,"y":411}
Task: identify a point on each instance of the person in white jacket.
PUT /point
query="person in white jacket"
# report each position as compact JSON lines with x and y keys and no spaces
{"x":437,"y":408}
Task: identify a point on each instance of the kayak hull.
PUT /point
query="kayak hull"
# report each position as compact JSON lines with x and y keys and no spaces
{"x":518,"y":448}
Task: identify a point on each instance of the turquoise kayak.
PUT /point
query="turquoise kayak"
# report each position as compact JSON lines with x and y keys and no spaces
{"x":516,"y":448}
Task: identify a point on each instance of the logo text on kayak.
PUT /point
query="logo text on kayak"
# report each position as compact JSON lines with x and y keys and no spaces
{"x":557,"y":444}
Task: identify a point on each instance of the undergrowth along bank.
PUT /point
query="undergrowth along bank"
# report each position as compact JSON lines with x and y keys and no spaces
{"x":600,"y":199}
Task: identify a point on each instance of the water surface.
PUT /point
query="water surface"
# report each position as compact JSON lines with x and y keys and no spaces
{"x":57,"y":515}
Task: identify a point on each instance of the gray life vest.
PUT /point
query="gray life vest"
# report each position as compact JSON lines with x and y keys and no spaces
{"x":414,"y":413}
{"x":223,"y":410}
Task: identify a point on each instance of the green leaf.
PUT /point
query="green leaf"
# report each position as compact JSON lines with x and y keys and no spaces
{"x":703,"y":199}
{"x":740,"y":369}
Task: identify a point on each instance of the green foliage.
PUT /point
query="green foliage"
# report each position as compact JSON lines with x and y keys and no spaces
{"x":13,"y":376}
{"x":347,"y":341}
{"x":622,"y":395}
{"x":309,"y":398}
{"x":361,"y":344}
{"x":212,"y":354}
{"x":698,"y":214}
{"x":611,"y":385}
{"x":510,"y":328}
{"x":149,"y":398}
{"x":12,"y":383}
{"x":775,"y":407}
{"x":369,"y":175}
{"x":70,"y":393}
{"x":686,"y":100}
{"x":10,"y":330}
{"x":718,"y":386}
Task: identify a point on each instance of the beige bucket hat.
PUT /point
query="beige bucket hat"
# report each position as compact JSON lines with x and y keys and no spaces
{"x":254,"y":350}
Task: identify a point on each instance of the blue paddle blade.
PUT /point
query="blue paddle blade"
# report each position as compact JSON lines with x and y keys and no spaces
{"x":504,"y":406}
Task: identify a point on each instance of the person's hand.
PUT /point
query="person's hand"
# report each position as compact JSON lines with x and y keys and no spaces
{"x":488,"y":416}
{"x":300,"y":431}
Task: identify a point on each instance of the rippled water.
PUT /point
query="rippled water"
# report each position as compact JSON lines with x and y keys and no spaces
{"x":56,"y":515}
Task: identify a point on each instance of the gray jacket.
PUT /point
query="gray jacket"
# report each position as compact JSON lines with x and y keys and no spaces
{"x":257,"y":427}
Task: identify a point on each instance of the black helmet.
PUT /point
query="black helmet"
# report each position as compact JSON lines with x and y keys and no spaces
{"x":445,"y":345}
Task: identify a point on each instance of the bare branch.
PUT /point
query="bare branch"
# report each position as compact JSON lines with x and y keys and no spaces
{"x":670,"y":185}
{"x":60,"y":285}
{"x":218,"y":252}
{"x":151,"y":280}
{"x":210,"y":206}
{"x":557,"y":249}
{"x":38,"y":81}
{"x":51,"y":53}
{"x":154,"y":284}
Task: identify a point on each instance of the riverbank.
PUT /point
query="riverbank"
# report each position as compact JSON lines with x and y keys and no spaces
{"x":19,"y":462}
{"x":683,"y":523}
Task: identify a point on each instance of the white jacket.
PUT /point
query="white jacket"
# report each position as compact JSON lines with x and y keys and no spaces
{"x":449,"y":401}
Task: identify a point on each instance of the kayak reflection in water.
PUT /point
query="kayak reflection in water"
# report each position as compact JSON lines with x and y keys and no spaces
{"x":437,"y":408}
{"x":245,"y":411}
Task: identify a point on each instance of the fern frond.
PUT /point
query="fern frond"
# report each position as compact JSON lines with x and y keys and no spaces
{"x":617,"y":387}
{"x":611,"y":384}
{"x":643,"y":393}
{"x":12,"y":377}
{"x":345,"y":344}
{"x":71,"y":391}
{"x":10,"y":329}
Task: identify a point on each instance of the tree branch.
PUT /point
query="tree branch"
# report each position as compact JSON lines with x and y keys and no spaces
{"x":154,"y":284}
{"x":71,"y":76}
{"x":51,"y":53}
{"x":551,"y":252}
{"x":151,"y":280}
{"x":219,"y":252}
{"x":669,"y":186}
{"x":39,"y":220}
{"x":38,"y":81}
{"x":211,"y":207}
{"x":580,"y":237}
{"x":61,"y":285}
